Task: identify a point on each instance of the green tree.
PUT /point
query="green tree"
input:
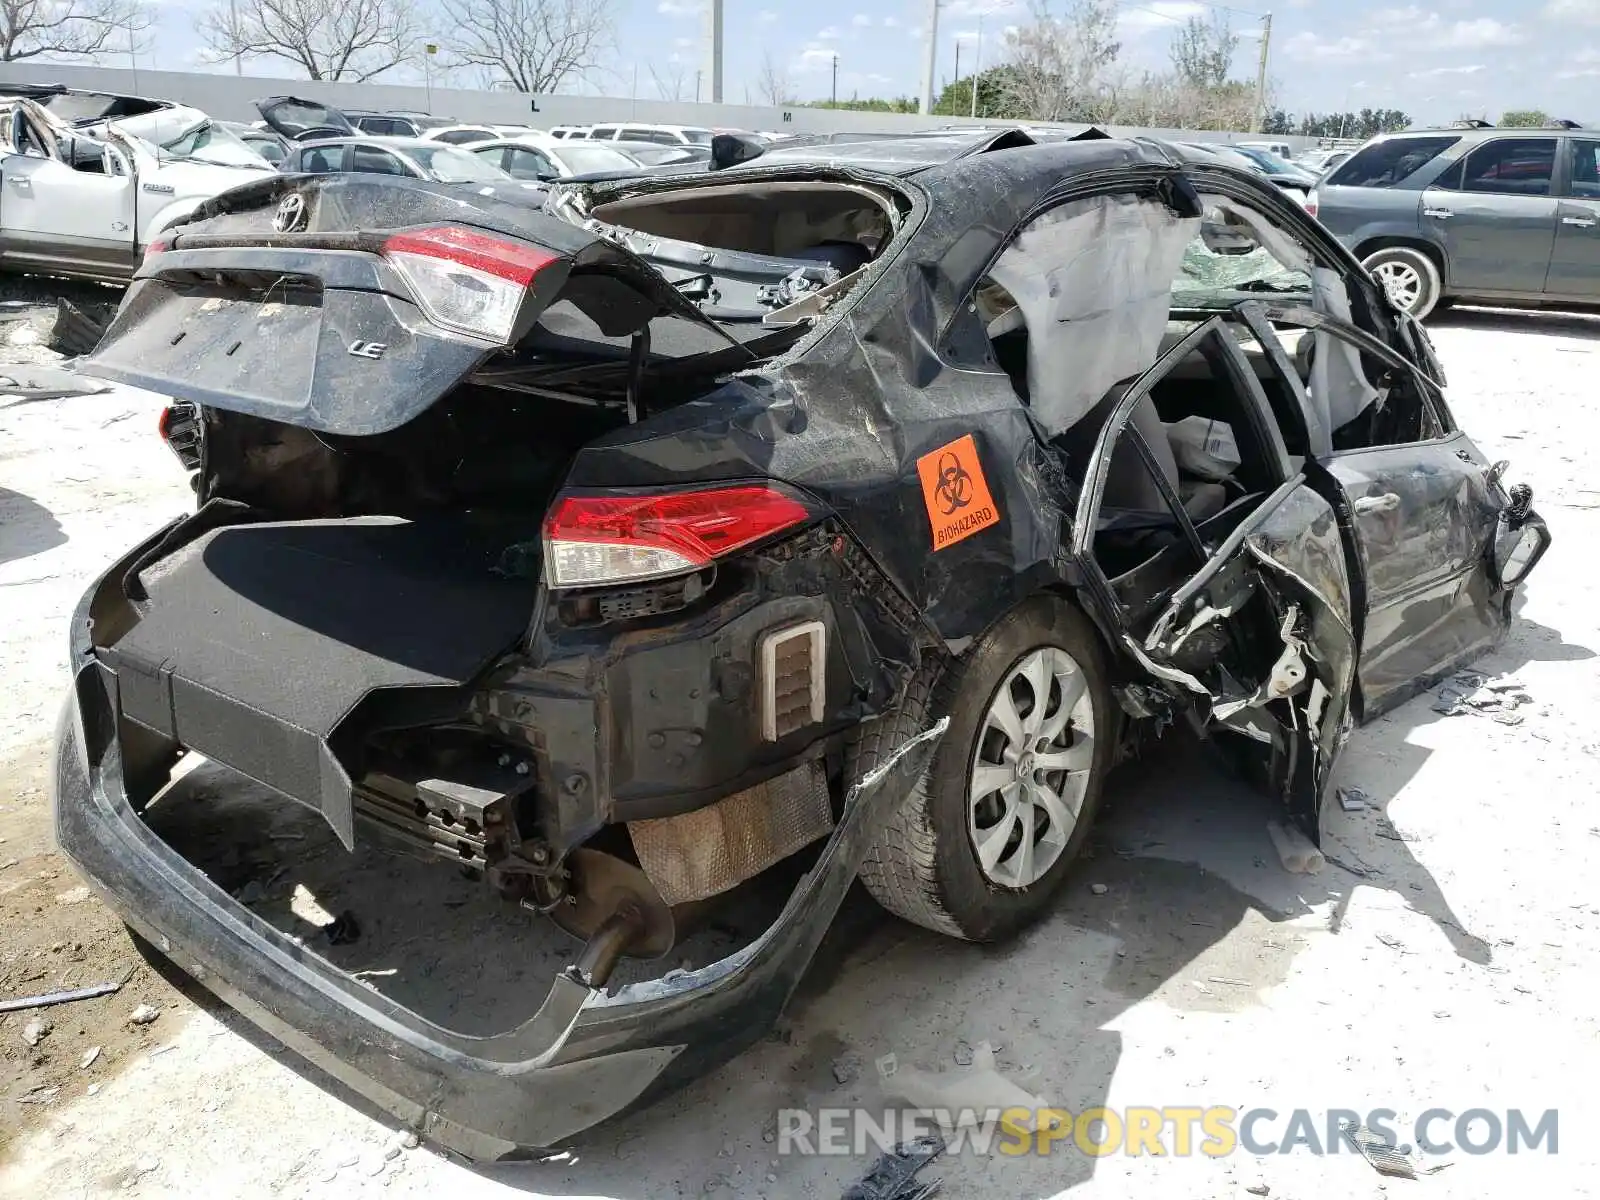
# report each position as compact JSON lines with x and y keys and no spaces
{"x":996,"y":96}
{"x":1524,"y":118}
{"x":1202,"y":51}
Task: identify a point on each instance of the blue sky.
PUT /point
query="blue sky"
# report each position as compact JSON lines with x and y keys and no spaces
{"x":1435,"y":60}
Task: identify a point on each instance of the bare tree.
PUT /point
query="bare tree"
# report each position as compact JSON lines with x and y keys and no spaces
{"x":1057,"y":63}
{"x":773,"y":84}
{"x":672,"y":83}
{"x":71,"y":28}
{"x":1202,"y":51}
{"x":327,"y":39}
{"x":534,"y":45}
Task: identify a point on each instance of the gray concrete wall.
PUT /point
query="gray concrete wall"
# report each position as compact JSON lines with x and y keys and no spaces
{"x":228,"y":98}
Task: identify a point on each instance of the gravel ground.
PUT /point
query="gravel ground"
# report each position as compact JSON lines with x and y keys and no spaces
{"x":1443,"y":961}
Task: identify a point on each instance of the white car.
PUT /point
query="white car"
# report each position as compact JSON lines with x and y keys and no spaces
{"x":466,"y":135}
{"x":666,"y":135}
{"x":544,"y":159}
{"x":87,"y":201}
{"x":569,"y":131}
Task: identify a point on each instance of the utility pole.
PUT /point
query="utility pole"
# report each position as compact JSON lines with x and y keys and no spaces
{"x":429,"y":49}
{"x":233,"y":30}
{"x":958,"y":60}
{"x":714,"y":49}
{"x":836,"y":81}
{"x":978,"y":69}
{"x":932,"y":61}
{"x":697,"y":75}
{"x":1261,"y":75}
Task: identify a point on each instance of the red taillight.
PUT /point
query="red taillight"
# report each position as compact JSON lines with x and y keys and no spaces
{"x":159,"y":246}
{"x":1312,"y":202}
{"x":593,"y":540}
{"x":164,"y":424}
{"x":467,"y":280}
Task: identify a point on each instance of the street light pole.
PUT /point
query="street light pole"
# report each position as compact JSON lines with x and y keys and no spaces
{"x":233,"y":29}
{"x":1261,"y":74}
{"x":978,"y":69}
{"x":836,"y":81}
{"x":931,"y":63}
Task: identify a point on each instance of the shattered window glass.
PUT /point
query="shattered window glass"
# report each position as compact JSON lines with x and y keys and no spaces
{"x":1222,"y":262}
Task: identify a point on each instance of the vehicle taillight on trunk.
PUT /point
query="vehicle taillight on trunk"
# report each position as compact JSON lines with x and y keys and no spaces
{"x":597,"y":540}
{"x":1311,"y":202}
{"x":467,"y":280}
{"x":159,"y":246}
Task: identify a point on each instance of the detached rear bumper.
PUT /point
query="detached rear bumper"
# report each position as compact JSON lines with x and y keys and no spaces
{"x":584,"y":1057}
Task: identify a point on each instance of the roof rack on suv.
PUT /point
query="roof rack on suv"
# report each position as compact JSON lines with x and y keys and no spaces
{"x":1563,"y":123}
{"x":1472,"y":123}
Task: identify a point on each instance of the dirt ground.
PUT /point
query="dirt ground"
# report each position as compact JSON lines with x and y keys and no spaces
{"x":1445,"y":957}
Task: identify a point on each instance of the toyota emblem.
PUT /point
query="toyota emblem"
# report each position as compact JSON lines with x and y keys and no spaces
{"x":291,"y":214}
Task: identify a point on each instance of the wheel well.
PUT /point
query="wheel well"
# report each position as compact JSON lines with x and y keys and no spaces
{"x":1373,"y":245}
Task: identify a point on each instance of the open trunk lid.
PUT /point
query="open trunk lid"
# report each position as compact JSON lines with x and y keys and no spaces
{"x":294,"y":118}
{"x":341,"y":304}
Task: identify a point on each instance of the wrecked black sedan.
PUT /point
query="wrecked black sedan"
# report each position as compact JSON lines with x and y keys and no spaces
{"x":860,"y":519}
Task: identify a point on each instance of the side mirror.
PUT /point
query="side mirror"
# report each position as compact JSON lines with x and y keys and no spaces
{"x":1518,"y":547}
{"x":1519,"y":551}
{"x":732,"y":149}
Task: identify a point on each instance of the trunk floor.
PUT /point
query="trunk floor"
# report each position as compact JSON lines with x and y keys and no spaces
{"x":432,"y":939}
{"x":297,"y":621}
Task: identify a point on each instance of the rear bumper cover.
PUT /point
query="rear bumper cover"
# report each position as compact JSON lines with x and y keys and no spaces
{"x":584,"y":1057}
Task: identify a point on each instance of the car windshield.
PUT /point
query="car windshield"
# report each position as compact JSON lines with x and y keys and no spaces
{"x":592,"y":158}
{"x":1265,"y":159}
{"x":449,"y":165}
{"x":209,"y":142}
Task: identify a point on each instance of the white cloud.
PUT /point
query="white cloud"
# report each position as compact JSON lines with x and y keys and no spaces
{"x":861,"y":21}
{"x":813,"y":58}
{"x":1579,"y":12}
{"x":1485,"y":31}
{"x":683,"y":43}
{"x":1312,"y":48}
{"x":1471,"y":69}
{"x":1162,"y":14}
{"x":966,"y":36}
{"x":830,"y":34}
{"x":891,"y":22}
{"x":768,"y":16}
{"x":681,"y":8}
{"x":977,"y":8}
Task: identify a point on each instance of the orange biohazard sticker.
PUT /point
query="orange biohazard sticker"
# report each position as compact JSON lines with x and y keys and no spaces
{"x":955,"y":492}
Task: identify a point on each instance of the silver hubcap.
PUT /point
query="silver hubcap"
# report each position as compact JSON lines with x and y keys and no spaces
{"x":1030,"y":769}
{"x":1403,"y":281}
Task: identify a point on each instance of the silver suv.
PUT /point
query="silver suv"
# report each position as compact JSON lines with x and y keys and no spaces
{"x":1504,"y":216}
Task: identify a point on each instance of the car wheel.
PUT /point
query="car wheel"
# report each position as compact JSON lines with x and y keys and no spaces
{"x":985,"y":839}
{"x":1410,"y":278}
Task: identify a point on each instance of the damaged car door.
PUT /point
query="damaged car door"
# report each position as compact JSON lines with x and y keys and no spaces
{"x":1255,"y":635}
{"x":1422,"y":506}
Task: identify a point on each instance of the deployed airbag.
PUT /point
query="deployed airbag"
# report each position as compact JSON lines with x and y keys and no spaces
{"x":1093,"y":279}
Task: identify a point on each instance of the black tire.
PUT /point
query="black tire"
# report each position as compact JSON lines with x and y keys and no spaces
{"x":1413,"y":264}
{"x":923,"y":865}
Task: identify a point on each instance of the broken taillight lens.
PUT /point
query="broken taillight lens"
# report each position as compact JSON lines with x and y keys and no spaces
{"x":466,"y":280}
{"x":592,"y":541}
